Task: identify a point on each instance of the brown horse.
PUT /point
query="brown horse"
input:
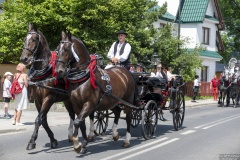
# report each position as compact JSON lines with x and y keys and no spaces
{"x":94,"y":93}
{"x":36,"y":53}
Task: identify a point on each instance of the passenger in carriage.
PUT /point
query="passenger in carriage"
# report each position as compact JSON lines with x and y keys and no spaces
{"x":170,"y":76}
{"x":120,"y":50}
{"x":160,"y":74}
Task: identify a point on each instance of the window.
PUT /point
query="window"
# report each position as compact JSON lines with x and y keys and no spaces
{"x":206,"y":32}
{"x":162,"y":25}
{"x":204,"y":73}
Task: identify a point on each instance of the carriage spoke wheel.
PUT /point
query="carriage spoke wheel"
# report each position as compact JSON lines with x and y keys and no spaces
{"x":100,"y":122}
{"x":179,"y":112}
{"x":149,"y":119}
{"x":136,"y":117}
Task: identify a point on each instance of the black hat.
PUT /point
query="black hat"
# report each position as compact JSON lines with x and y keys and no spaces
{"x":121,"y":32}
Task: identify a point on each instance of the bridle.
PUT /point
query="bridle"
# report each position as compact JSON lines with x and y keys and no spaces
{"x":67,"y":64}
{"x":35,"y":49}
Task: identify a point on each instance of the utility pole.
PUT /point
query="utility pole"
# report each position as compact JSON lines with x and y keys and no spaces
{"x":179,"y":28}
{"x":179,"y":18}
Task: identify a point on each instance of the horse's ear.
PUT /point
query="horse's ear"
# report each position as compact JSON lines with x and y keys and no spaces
{"x":34,"y":27}
{"x":63,"y":35}
{"x":30,"y":27}
{"x":69,"y":36}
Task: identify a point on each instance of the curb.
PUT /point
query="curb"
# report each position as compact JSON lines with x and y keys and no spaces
{"x":56,"y":107}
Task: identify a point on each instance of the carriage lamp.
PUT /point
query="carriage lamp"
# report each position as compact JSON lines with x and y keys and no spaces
{"x":100,"y":60}
{"x":155,"y":60}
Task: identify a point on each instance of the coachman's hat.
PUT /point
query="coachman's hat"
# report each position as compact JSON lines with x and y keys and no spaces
{"x":121,"y":32}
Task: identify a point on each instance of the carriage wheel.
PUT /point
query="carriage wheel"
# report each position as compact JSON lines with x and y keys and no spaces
{"x":136,"y":117}
{"x":100,"y":122}
{"x":179,"y":112}
{"x":149,"y":119}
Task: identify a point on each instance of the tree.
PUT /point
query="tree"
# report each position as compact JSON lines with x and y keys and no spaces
{"x":93,"y":21}
{"x":184,"y":61}
{"x":231,"y":15}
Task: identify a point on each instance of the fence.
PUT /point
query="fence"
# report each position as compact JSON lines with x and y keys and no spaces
{"x":204,"y":89}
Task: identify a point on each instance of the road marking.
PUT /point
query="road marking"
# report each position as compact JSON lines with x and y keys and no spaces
{"x":220,"y":123}
{"x":136,"y":148}
{"x":188,"y":132}
{"x":216,"y":121}
{"x":149,"y":149}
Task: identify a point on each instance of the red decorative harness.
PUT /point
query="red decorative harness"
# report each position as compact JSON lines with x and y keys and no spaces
{"x":53,"y":67}
{"x":53,"y":63}
{"x":92,"y":67}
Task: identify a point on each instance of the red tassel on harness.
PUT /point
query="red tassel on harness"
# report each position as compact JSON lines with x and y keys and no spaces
{"x":53,"y":63}
{"x":92,"y":66}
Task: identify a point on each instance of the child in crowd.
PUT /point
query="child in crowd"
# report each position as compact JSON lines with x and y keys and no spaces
{"x":6,"y":93}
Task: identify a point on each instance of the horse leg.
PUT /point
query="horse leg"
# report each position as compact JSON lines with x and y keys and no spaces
{"x":126,"y":142}
{"x":32,"y":143}
{"x":91,"y":132}
{"x":71,"y":113}
{"x":47,"y":103}
{"x":80,"y":122}
{"x":117,"y":111}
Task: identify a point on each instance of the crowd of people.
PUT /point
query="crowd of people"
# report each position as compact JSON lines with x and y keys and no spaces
{"x":20,"y":100}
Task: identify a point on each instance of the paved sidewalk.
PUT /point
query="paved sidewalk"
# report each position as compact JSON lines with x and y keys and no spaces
{"x":57,"y":116}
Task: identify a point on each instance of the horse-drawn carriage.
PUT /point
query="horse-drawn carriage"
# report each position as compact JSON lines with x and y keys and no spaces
{"x":92,"y":90}
{"x":154,"y":95}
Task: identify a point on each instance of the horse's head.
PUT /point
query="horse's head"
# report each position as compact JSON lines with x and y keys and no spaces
{"x":32,"y":43}
{"x":64,"y":50}
{"x":71,"y":53}
{"x":226,"y":74}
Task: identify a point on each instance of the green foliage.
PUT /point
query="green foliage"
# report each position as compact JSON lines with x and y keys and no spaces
{"x":229,"y":48}
{"x":96,"y":22}
{"x":173,"y":53}
{"x":231,"y":14}
{"x":93,"y":21}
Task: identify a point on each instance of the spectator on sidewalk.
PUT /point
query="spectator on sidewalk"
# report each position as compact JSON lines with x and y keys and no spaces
{"x":195,"y":88}
{"x":214,"y":87}
{"x":21,"y":99}
{"x":6,"y":93}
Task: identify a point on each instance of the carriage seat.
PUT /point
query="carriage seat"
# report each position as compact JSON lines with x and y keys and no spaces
{"x":157,"y":83}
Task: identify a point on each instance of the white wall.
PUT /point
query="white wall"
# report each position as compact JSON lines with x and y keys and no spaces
{"x":209,"y":9}
{"x":189,"y":31}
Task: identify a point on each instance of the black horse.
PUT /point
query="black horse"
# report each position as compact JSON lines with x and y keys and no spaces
{"x":36,"y":53}
{"x":224,"y":88}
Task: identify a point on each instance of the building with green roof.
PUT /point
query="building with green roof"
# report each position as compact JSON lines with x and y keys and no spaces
{"x":201,"y":21}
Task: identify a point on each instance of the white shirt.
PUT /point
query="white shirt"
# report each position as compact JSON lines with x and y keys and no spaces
{"x":196,"y":82}
{"x":122,"y":57}
{"x":159,"y":75}
{"x":6,"y":85}
{"x":169,"y":76}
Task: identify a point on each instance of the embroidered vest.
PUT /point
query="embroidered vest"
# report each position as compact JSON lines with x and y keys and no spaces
{"x":121,"y":52}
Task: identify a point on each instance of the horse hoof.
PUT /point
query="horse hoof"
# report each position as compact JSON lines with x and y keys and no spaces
{"x":90,"y":138}
{"x":125,"y":145}
{"x":54,"y":144}
{"x":115,"y":138}
{"x":31,"y":146}
{"x":83,"y":150}
{"x":77,"y":149}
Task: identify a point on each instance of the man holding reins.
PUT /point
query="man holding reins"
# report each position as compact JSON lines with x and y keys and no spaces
{"x":120,"y":50}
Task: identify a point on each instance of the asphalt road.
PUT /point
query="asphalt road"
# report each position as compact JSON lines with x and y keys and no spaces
{"x":208,"y":132}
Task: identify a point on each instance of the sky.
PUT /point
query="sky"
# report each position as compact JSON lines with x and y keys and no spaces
{"x":172,"y":5}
